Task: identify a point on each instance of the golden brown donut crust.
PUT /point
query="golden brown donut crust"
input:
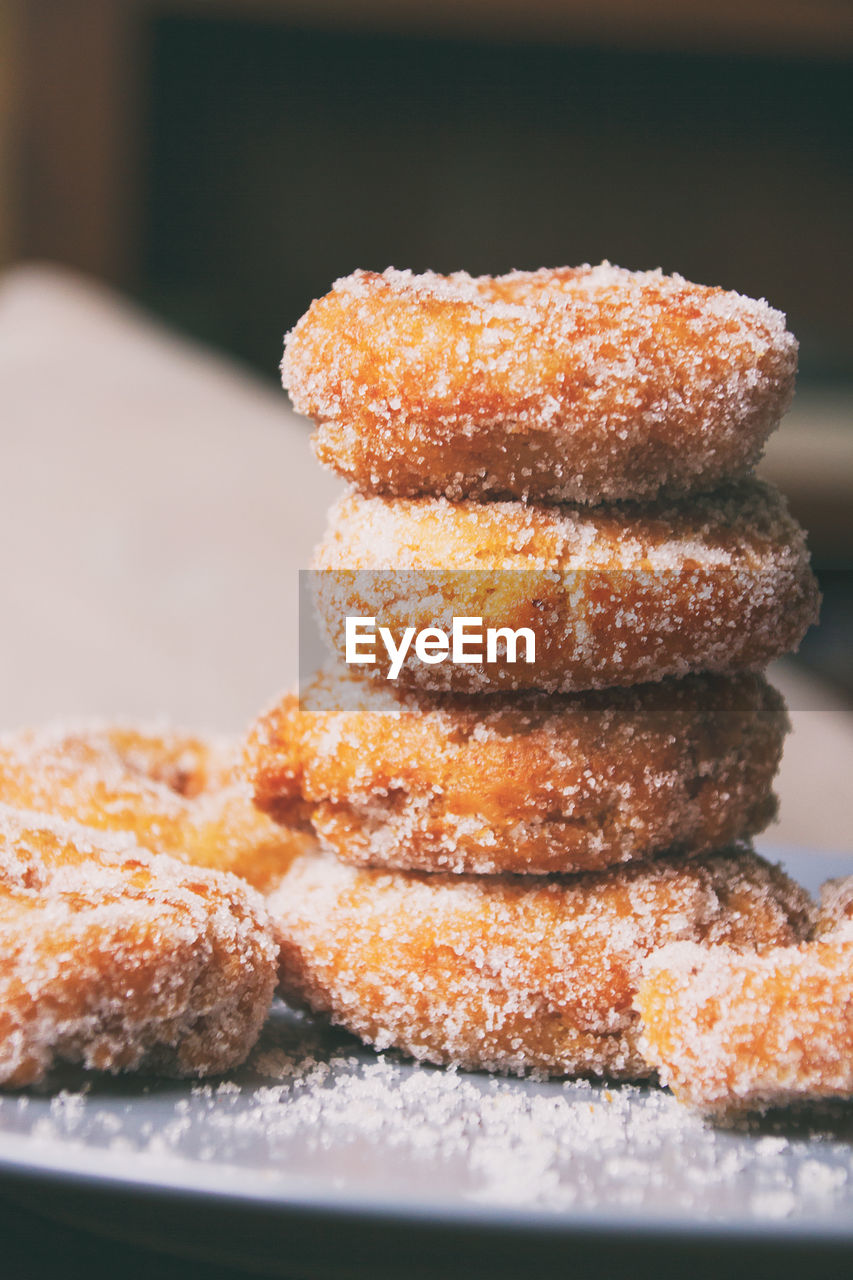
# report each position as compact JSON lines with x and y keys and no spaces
{"x":525,"y":783}
{"x":509,"y":974}
{"x":615,"y":595}
{"x":174,"y":792}
{"x":730,"y":1032}
{"x":120,"y":959}
{"x":579,"y":384}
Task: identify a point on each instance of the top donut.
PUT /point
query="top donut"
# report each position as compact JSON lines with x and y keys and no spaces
{"x":578,"y":384}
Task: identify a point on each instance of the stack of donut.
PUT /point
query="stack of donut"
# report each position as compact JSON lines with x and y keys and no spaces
{"x":504,"y":844}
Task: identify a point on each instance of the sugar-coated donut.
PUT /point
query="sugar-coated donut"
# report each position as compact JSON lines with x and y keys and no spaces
{"x":730,"y":1032}
{"x":175,"y":793}
{"x":120,"y":959}
{"x":508,"y":973}
{"x":613,"y":595}
{"x":527,"y":783}
{"x":579,"y":384}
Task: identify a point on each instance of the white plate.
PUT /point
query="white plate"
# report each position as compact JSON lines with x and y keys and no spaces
{"x":315,"y":1124}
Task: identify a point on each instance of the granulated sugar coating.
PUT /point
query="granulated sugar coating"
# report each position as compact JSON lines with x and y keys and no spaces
{"x":614,"y":595}
{"x":836,"y":905}
{"x":571,"y":385}
{"x":119,"y":959}
{"x":173,"y":792}
{"x":731,"y":1032}
{"x":500,"y":973}
{"x":528,"y":783}
{"x":315,"y":1116}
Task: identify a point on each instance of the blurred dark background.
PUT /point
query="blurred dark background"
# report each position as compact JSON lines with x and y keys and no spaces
{"x":280,"y":158}
{"x":227,"y":161}
{"x":224,"y":162}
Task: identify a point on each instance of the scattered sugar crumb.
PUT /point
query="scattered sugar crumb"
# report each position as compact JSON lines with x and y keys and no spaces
{"x":312,"y":1110}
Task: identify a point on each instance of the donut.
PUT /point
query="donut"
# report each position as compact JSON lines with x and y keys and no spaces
{"x":524,"y":783}
{"x":612,"y":595}
{"x":508,"y":974}
{"x":175,"y":793}
{"x":731,"y":1033}
{"x":579,"y":384}
{"x":122,"y":960}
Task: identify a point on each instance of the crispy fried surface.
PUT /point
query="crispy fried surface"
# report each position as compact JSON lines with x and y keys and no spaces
{"x":490,"y":972}
{"x":570,"y":385}
{"x":730,"y":1032}
{"x":173,"y":792}
{"x":526,"y":783}
{"x":614,"y":595}
{"x":836,"y":906}
{"x":120,"y":959}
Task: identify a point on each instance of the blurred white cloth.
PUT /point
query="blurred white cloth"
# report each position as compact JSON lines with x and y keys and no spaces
{"x":156,"y":504}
